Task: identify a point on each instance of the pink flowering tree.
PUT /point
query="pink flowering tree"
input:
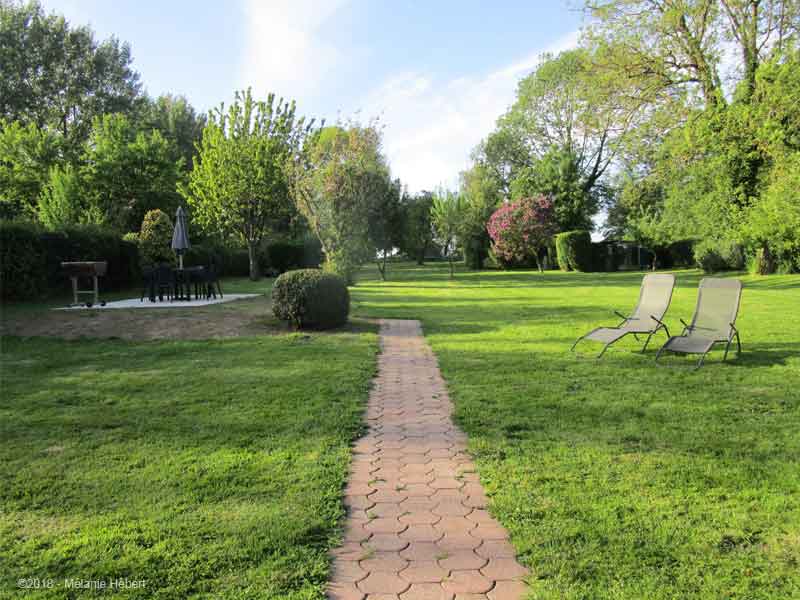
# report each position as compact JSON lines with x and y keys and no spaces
{"x":520,"y":230}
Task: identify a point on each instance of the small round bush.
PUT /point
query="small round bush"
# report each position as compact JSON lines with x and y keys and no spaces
{"x":310,"y":298}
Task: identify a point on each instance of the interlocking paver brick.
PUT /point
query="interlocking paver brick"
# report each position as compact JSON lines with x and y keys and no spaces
{"x":471,"y":582}
{"x":489,"y":531}
{"x":347,"y":570}
{"x":495,"y":549}
{"x":386,"y":542}
{"x":461,"y":560}
{"x":385,"y":509}
{"x":419,"y":517}
{"x":451,"y":508}
{"x":338,"y":590}
{"x":382,"y":582}
{"x":417,"y":526}
{"x":454,"y":524}
{"x":424,"y":571}
{"x":427,"y":591}
{"x":383,"y":561}
{"x":507,"y":590}
{"x":417,"y":504}
{"x":421,"y":533}
{"x":417,"y":551}
{"x":501,"y":569}
{"x":384,"y":525}
{"x":452,"y":542}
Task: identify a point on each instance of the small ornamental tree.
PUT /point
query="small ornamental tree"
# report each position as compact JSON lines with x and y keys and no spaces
{"x":336,"y":179}
{"x":520,"y":230}
{"x":155,"y":238}
{"x":447,"y":215}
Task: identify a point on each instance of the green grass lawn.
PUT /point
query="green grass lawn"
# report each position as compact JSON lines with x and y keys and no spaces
{"x":213,"y":469}
{"x":616,"y":478}
{"x":209,"y":469}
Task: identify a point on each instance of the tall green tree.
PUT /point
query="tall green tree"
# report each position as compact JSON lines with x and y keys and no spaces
{"x":58,"y":75}
{"x":481,"y":197}
{"x":127,"y":173}
{"x":385,"y":222}
{"x":240,"y":185}
{"x":447,"y":215}
{"x":27,"y":153}
{"x":557,"y":175}
{"x":177,"y":121}
{"x":566,"y":127}
{"x":417,"y":237}
{"x":62,"y":201}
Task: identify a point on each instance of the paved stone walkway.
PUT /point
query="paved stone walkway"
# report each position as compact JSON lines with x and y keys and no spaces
{"x":417,"y":525}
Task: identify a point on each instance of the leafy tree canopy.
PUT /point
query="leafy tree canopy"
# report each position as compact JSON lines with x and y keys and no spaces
{"x":58,"y":76}
{"x":239,"y":185}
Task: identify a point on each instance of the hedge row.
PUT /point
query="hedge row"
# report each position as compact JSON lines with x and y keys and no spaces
{"x":274,"y":258}
{"x":31,"y":257}
{"x":575,"y":251}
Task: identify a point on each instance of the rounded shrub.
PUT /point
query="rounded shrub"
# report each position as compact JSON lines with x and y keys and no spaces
{"x":310,"y":298}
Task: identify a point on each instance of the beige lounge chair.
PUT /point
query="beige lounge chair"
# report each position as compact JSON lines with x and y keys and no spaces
{"x":713,"y":321}
{"x":654,"y":298}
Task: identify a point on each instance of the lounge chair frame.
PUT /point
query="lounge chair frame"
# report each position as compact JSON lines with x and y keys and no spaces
{"x":625,"y":319}
{"x":688,"y":328}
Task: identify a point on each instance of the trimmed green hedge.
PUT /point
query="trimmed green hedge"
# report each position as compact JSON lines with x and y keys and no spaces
{"x":30,"y":258}
{"x":310,"y":298}
{"x":281,"y":256}
{"x":230,"y":262}
{"x":575,"y":251}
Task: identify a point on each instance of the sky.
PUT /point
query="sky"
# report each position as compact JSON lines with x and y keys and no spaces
{"x":437,"y":74}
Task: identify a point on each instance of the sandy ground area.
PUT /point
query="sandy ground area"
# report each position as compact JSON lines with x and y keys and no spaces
{"x":233,"y":319}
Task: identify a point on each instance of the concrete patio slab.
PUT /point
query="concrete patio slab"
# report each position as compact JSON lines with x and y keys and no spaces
{"x":137,"y":303}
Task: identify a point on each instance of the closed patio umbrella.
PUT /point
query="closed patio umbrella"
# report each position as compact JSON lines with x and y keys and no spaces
{"x":180,"y":236}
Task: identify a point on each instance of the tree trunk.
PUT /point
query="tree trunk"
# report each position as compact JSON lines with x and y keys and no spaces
{"x":252,"y":252}
{"x":382,"y":266}
{"x":765,"y":263}
{"x":450,"y":260}
{"x":538,"y":262}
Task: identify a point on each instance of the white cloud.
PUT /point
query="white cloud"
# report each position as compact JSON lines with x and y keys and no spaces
{"x":285,"y":49}
{"x":432,"y":126}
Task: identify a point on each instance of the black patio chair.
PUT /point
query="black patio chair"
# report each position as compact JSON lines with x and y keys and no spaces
{"x":163,"y":281}
{"x":211,"y":281}
{"x":148,"y":280}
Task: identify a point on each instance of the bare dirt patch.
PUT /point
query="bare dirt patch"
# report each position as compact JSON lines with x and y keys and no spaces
{"x":252,"y":316}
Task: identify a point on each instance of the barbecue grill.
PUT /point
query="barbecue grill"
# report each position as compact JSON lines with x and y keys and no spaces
{"x":88,"y":270}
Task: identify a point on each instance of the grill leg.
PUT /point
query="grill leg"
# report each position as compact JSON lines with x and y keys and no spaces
{"x":96,"y":291}
{"x":74,"y":290}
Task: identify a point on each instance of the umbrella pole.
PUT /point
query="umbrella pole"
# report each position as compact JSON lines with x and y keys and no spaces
{"x":180,"y":261}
